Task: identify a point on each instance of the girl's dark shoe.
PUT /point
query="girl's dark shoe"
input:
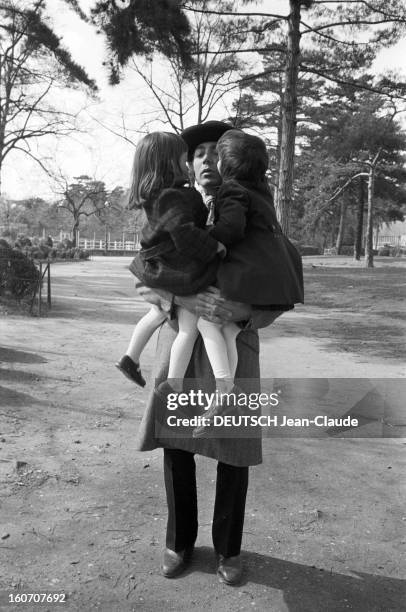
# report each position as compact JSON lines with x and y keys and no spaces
{"x":131,"y":369}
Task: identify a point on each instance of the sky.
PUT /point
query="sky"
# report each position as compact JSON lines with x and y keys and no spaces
{"x":96,"y":151}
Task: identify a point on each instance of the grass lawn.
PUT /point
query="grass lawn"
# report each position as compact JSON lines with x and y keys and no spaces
{"x":362,"y":309}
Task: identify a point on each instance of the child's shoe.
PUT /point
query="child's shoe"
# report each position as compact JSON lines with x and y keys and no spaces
{"x":131,"y":369}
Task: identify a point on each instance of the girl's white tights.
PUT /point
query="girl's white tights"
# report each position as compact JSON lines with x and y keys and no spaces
{"x":219,"y":341}
{"x":221,"y":347}
{"x":182,"y":347}
{"x":143,"y":332}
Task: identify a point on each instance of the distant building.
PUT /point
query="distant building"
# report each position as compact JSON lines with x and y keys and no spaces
{"x":391,"y":233}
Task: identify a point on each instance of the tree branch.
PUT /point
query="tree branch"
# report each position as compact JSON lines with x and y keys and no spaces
{"x":269,"y":49}
{"x":329,"y":37}
{"x":39,"y":162}
{"x":341,"y":189}
{"x":233,"y":13}
{"x":317,"y":29}
{"x":354,"y":84}
{"x":364,"y":2}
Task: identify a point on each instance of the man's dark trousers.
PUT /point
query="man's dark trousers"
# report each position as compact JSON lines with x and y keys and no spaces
{"x":181,"y":494}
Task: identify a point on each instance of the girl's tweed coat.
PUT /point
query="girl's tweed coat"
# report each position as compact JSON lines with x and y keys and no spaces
{"x":178,"y":254}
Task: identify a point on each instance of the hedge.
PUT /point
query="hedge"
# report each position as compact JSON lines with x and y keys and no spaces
{"x":19,"y":276}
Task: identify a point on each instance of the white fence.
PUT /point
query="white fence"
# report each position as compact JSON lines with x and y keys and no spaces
{"x":391,"y":239}
{"x":113,"y":245}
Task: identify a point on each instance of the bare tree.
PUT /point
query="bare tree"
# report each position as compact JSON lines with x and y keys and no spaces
{"x":33,"y":65}
{"x":190,"y":94}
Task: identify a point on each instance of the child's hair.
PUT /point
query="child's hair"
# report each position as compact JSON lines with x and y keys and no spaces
{"x":243,"y":157}
{"x":156,"y":166}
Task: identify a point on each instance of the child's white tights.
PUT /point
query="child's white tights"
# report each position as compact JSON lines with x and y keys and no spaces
{"x":143,"y":332}
{"x":221,"y":347}
{"x":219,"y":341}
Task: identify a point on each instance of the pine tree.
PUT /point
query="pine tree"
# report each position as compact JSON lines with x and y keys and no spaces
{"x":142,"y":28}
{"x":335,"y":42}
{"x":354,"y":152}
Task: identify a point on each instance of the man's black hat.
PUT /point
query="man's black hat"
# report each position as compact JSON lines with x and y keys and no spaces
{"x":204,"y":132}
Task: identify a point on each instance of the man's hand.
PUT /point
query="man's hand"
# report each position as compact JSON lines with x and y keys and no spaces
{"x":211,"y":306}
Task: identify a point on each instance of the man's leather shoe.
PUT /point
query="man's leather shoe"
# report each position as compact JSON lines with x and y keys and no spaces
{"x":229,"y":569}
{"x":174,"y":563}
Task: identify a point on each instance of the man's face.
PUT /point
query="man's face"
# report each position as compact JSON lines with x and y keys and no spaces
{"x":204,"y":163}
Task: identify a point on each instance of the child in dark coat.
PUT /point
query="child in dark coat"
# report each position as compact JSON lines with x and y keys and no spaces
{"x":262,"y":268}
{"x":178,"y":255}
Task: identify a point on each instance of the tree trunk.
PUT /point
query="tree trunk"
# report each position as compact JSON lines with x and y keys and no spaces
{"x":1,"y":156}
{"x":360,"y":220}
{"x":341,"y":227}
{"x":289,"y":109}
{"x":106,"y":239}
{"x":333,"y":231}
{"x":75,"y":229}
{"x":279,"y":142}
{"x":369,"y":255}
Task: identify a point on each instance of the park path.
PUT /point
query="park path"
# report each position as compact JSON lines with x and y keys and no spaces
{"x":83,"y":512}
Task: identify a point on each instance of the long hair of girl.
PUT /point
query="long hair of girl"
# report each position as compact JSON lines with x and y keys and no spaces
{"x":156,"y":166}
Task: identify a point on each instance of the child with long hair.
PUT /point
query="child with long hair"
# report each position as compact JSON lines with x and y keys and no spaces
{"x":178,"y":255}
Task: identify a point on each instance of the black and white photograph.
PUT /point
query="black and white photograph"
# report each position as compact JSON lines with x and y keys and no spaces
{"x":202,"y":313}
